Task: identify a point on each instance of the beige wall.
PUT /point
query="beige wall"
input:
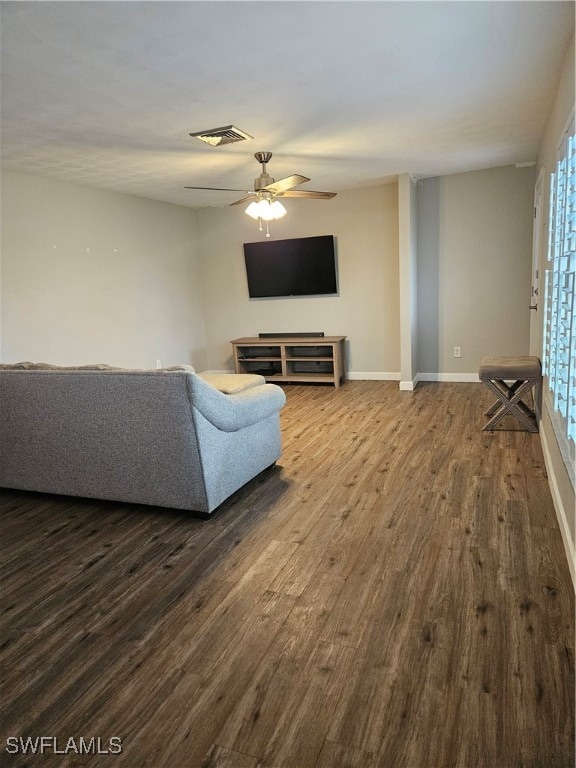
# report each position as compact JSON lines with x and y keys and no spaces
{"x":562,"y":107}
{"x":474,"y":267}
{"x":560,"y":483}
{"x":93,"y":276}
{"x":366,"y":310}
{"x":143,"y":301}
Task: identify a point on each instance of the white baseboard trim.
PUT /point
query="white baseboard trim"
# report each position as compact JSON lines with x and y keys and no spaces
{"x":393,"y":376}
{"x":465,"y":378}
{"x":559,"y":507}
{"x":409,"y":385}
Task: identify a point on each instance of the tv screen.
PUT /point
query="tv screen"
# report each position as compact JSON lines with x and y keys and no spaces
{"x":304,"y":266}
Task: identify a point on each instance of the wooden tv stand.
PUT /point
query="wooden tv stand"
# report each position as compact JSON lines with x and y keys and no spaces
{"x":292,"y":359}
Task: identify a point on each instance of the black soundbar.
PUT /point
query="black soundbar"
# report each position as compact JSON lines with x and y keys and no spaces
{"x":305,"y":335}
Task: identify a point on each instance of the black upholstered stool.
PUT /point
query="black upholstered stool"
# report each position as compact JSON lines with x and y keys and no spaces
{"x":525,"y":373}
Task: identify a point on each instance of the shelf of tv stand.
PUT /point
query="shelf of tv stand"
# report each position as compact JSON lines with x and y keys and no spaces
{"x":292,"y":359}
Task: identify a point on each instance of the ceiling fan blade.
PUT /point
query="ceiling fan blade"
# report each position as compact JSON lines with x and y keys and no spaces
{"x":308,"y":193}
{"x":219,"y":189}
{"x":245,"y":199}
{"x":278,"y":187}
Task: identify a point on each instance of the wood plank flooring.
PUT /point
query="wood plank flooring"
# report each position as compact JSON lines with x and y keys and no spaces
{"x":393,"y":594}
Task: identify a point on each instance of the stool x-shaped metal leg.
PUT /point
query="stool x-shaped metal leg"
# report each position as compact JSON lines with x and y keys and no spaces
{"x":510,"y":402}
{"x":524,"y":373}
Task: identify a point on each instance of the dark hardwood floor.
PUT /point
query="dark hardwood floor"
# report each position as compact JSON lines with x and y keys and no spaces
{"x":393,"y":594}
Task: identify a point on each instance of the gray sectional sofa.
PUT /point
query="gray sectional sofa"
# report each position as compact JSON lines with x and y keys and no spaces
{"x":171,"y":438}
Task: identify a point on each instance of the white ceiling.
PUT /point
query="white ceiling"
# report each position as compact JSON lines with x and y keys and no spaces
{"x":348,"y":93}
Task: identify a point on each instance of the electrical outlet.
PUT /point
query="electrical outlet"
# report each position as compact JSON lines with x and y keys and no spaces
{"x":158,"y":364}
{"x":457,"y":352}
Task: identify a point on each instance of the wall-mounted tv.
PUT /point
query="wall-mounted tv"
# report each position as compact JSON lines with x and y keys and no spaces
{"x":303,"y":266}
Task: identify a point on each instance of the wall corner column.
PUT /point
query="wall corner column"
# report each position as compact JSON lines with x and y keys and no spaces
{"x":408,"y":253}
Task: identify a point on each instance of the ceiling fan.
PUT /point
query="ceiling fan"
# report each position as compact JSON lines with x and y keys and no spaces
{"x":266,"y":184}
{"x":264,"y":204}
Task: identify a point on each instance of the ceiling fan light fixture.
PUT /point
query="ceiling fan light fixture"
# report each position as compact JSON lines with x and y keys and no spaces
{"x":278,"y":209}
{"x":253,"y":210}
{"x":273,"y":210}
{"x":265,"y":209}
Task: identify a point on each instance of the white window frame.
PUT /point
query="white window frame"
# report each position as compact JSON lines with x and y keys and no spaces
{"x":559,"y":337}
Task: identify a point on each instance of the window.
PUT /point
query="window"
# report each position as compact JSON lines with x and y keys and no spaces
{"x":559,"y":353}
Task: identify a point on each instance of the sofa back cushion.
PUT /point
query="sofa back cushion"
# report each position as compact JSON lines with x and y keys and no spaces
{"x":127,"y":435}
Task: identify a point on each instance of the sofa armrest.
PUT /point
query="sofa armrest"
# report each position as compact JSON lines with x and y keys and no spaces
{"x":231,"y":413}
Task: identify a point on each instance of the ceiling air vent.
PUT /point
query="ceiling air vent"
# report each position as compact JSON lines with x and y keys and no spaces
{"x":229,"y":134}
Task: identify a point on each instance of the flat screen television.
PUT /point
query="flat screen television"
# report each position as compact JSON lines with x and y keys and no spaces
{"x":303,"y":266}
